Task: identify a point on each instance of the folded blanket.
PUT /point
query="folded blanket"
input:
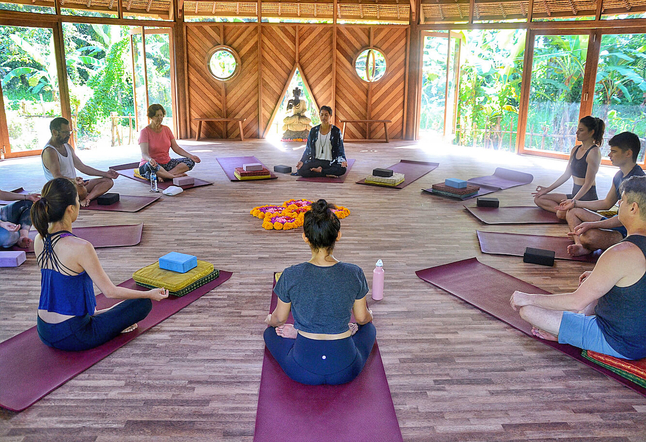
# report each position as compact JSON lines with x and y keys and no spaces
{"x":394,"y":180}
{"x":632,"y":370}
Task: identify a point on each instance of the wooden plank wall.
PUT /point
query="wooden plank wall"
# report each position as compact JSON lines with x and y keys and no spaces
{"x":283,"y":48}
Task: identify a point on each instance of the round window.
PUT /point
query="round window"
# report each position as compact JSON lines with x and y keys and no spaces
{"x":223,"y":63}
{"x":370,"y":65}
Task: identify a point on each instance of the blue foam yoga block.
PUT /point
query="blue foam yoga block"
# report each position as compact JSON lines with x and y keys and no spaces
{"x":455,"y":183}
{"x":177,"y":262}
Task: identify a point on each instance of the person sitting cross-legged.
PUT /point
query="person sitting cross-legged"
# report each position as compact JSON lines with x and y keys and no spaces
{"x":15,"y":221}
{"x":322,"y":347}
{"x":607,"y":312}
{"x":324,"y":154}
{"x":590,"y":230}
{"x":60,"y":161}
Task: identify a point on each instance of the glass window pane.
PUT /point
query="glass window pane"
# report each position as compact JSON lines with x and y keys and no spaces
{"x":620,"y":88}
{"x":555,"y":94}
{"x":158,"y":66}
{"x":29,"y":81}
{"x":434,"y":84}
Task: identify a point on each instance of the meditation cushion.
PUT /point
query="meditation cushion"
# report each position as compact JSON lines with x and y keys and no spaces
{"x":243,"y":175}
{"x":178,"y":284}
{"x":392,"y":181}
{"x":138,"y":175}
{"x":177,"y":262}
{"x":632,"y":370}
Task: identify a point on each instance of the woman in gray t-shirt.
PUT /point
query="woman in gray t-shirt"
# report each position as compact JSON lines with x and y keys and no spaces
{"x":322,"y":347}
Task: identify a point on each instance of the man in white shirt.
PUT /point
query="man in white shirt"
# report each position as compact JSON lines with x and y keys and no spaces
{"x":60,"y":161}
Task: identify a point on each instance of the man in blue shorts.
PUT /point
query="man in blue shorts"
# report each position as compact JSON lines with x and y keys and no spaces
{"x":590,"y":230}
{"x":607,"y":312}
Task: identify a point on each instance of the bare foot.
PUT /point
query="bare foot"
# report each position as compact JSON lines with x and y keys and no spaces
{"x":353,"y":327}
{"x":133,"y":327}
{"x":287,"y":331}
{"x":543,"y":334}
{"x":317,"y":169}
{"x":160,"y":179}
{"x":24,"y":242}
{"x":332,"y":176}
{"x":85,"y":202}
{"x":577,"y":250}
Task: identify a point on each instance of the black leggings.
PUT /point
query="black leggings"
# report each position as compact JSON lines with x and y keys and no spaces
{"x":328,"y":167}
{"x":86,"y":332}
{"x":590,"y":195}
{"x":316,"y":362}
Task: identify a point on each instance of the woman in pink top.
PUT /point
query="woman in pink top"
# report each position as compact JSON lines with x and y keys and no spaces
{"x":155,"y":142}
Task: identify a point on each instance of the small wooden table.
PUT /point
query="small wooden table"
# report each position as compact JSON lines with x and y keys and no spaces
{"x":385,"y":123}
{"x":224,"y":120}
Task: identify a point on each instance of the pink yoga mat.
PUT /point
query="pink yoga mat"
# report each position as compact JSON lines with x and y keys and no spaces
{"x":412,"y":170}
{"x":29,"y":370}
{"x":514,"y":244}
{"x":229,"y":165}
{"x":324,"y":179}
{"x":126,"y":203}
{"x":128,"y":171}
{"x":103,"y":236}
{"x":489,"y":290}
{"x":503,"y":179}
{"x":361,"y":410}
{"x":513,"y":215}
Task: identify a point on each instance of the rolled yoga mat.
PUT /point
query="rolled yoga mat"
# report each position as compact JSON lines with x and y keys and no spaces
{"x":412,"y":170}
{"x":229,"y":165}
{"x":361,"y":410}
{"x":126,"y":203}
{"x":29,"y":370}
{"x":490,"y":290}
{"x":128,"y":171}
{"x":102,"y":236}
{"x":514,"y":215}
{"x":503,"y":179}
{"x":514,"y":244}
{"x":324,"y":179}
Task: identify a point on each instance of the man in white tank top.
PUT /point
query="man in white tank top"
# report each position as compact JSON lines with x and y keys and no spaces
{"x":60,"y":161}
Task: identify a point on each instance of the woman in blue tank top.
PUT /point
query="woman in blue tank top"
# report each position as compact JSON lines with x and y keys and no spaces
{"x":582,"y":167}
{"x":322,"y":347}
{"x":67,"y":315}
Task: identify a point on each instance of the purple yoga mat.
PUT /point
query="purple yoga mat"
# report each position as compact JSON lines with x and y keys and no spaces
{"x":126,"y":203}
{"x":229,"y":165}
{"x":29,"y":370}
{"x":102,"y":236}
{"x":513,"y":215}
{"x":489,"y":290}
{"x":514,"y":244}
{"x":503,"y":179}
{"x":412,"y":170}
{"x":128,"y":171}
{"x":361,"y":410}
{"x":324,"y":179}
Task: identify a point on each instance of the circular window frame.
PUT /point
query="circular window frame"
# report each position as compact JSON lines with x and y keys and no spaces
{"x":356,"y":57}
{"x":231,"y":51}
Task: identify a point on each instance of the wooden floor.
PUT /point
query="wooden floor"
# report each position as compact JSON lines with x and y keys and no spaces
{"x":455,"y":373}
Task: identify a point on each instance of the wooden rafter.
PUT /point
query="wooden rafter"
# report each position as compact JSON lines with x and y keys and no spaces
{"x":150,"y":3}
{"x":129,"y":5}
{"x":573,"y":6}
{"x":111,"y":4}
{"x":522,"y":9}
{"x":89,"y":4}
{"x":627,"y":3}
{"x":547,"y":8}
{"x":502,"y":11}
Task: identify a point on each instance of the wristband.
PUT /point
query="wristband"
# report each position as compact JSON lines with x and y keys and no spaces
{"x":574,"y":203}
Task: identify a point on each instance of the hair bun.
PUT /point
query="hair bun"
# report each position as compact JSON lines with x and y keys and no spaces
{"x":320,"y":206}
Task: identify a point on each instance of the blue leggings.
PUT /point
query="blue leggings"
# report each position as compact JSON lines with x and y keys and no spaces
{"x":315,"y":362}
{"x":17,"y":213}
{"x":86,"y":332}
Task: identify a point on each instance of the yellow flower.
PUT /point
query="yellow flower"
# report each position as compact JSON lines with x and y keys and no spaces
{"x":278,"y":226}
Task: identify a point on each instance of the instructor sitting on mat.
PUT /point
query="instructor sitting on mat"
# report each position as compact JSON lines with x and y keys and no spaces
{"x":324,"y":154}
{"x":67,"y":315}
{"x":321,"y":347}
{"x":607,"y":313}
{"x":582,"y":167}
{"x":155,"y":142}
{"x":590,"y":230}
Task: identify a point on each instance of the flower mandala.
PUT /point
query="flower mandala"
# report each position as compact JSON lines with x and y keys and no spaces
{"x":289,"y":215}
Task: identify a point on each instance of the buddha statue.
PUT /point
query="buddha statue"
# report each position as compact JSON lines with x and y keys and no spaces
{"x":296,"y":125}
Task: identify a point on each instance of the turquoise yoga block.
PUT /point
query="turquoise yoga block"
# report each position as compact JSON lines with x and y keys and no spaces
{"x":455,"y":183}
{"x":177,"y":262}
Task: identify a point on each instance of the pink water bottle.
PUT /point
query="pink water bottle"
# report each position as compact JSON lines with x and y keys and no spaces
{"x":378,"y":281}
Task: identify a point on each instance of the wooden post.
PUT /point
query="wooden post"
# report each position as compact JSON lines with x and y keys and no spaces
{"x":61,"y":68}
{"x":181,"y":102}
{"x":335,"y":6}
{"x":523,"y":106}
{"x":260,"y":121}
{"x":414,"y":77}
{"x":590,"y":75}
